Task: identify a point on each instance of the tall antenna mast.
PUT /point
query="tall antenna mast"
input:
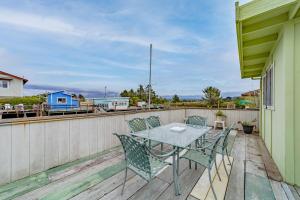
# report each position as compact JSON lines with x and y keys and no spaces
{"x":149,"y":86}
{"x":105,"y":91}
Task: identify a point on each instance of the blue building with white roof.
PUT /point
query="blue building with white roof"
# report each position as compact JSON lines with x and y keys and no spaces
{"x":61,"y":101}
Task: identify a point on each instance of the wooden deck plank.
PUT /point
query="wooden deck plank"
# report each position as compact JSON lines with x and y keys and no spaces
{"x":239,"y":148}
{"x":271,"y":168}
{"x":151,"y":191}
{"x":297,"y":189}
{"x":190,"y":197}
{"x":255,"y":168}
{"x":220,"y":186}
{"x":278,"y":191}
{"x":104,"y":187}
{"x":294,"y":192}
{"x":187,"y":181}
{"x":201,"y":188}
{"x":132,"y":186}
{"x":287,"y":191}
{"x":235,"y":188}
{"x":76,"y":188}
{"x":56,"y":185}
{"x":30,"y":183}
{"x":257,"y":187}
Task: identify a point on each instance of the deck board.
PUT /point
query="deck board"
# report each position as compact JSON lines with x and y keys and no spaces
{"x":131,"y":187}
{"x":294,"y":192}
{"x":271,"y":168}
{"x":235,"y":188}
{"x":151,"y":191}
{"x":56,"y":185}
{"x":278,"y":191}
{"x":103,"y":188}
{"x":78,"y":180}
{"x":187,"y":180}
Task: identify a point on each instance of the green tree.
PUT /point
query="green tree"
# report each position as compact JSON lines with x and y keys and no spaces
{"x":81,"y":97}
{"x":124,"y":93}
{"x":141,"y":92}
{"x":212,"y":95}
{"x":175,"y":99}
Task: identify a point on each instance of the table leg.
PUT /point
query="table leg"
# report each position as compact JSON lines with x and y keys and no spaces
{"x":175,"y":174}
{"x":177,"y":165}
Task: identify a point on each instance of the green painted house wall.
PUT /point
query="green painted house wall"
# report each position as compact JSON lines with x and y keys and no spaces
{"x":281,"y":124}
{"x":268,"y":32}
{"x":297,"y":102}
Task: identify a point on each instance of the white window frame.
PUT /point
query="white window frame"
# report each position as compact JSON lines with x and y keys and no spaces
{"x":8,"y":84}
{"x":269,"y":107}
{"x":61,"y":98}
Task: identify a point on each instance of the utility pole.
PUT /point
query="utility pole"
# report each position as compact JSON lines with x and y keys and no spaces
{"x":149,"y":86}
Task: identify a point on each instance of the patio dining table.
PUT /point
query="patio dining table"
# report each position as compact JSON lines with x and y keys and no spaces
{"x":178,"y":135}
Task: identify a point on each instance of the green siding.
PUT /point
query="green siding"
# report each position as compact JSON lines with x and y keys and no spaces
{"x":273,"y":120}
{"x":280,"y":126}
{"x":297,"y":104}
{"x":278,"y":114}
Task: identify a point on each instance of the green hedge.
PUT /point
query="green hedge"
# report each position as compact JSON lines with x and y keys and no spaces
{"x":28,"y":100}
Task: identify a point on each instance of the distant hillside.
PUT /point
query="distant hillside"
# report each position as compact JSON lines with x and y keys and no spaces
{"x":38,"y":89}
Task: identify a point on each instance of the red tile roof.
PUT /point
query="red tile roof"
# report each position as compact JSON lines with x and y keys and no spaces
{"x":14,"y":76}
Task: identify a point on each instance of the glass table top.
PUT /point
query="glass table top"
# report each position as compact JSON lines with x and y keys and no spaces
{"x":176,"y":134}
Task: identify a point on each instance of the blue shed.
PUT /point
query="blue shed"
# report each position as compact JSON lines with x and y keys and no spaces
{"x":61,"y":101}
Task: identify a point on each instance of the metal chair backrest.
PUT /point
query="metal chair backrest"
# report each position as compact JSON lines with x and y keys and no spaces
{"x":196,"y":120}
{"x":136,"y":154}
{"x":137,"y":124}
{"x":226,"y":136}
{"x":213,"y":152}
{"x":153,"y":121}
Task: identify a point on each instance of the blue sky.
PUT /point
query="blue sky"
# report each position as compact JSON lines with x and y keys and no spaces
{"x":90,"y":44}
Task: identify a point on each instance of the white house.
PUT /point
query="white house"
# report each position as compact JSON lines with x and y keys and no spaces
{"x":11,"y":85}
{"x":111,"y":103}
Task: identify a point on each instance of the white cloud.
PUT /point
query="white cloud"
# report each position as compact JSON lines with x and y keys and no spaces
{"x":78,"y":74}
{"x":43,"y":23}
{"x":104,"y":30}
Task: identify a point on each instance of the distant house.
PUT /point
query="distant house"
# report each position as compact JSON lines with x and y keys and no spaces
{"x":11,"y":85}
{"x":252,"y":93}
{"x":111,"y":103}
{"x":61,"y":101}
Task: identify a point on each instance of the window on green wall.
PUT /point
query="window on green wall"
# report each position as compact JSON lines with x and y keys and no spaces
{"x":268,"y":88}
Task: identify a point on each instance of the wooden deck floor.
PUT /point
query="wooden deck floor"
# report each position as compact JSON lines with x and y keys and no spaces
{"x":101,"y":177}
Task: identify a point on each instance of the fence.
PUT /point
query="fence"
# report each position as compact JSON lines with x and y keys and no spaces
{"x":29,"y":146}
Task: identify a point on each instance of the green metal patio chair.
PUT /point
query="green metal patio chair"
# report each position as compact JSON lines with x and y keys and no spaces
{"x":140,"y":159}
{"x":153,"y":122}
{"x":139,"y":124}
{"x":205,"y":156}
{"x":196,"y":121}
{"x":222,"y":147}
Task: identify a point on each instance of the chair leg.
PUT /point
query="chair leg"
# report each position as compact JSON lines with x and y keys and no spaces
{"x":228,"y":157}
{"x":224,"y":165}
{"x":124,"y":181}
{"x":217,"y":170}
{"x":211,"y":184}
